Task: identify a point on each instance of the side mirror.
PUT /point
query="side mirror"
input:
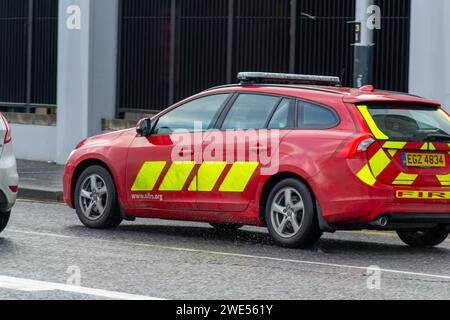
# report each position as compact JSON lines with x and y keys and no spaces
{"x":144,"y":127}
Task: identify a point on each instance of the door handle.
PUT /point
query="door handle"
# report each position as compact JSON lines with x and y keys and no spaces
{"x":186,"y":152}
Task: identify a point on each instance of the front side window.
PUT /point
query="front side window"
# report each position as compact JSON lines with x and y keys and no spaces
{"x":201,"y":111}
{"x":315,"y":117}
{"x":411,"y":123}
{"x":250,"y":111}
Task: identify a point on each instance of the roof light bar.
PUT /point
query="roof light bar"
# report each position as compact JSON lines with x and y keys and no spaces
{"x":249,"y":78}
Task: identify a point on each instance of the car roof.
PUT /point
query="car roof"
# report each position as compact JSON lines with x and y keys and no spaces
{"x":330,"y":94}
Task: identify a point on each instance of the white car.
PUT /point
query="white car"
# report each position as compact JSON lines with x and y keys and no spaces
{"x":9,"y":179}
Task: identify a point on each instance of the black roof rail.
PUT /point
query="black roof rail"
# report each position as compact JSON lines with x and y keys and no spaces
{"x":251,"y":78}
{"x":282,"y":86}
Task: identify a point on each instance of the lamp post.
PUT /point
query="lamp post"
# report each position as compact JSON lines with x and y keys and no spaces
{"x":364,"y":43}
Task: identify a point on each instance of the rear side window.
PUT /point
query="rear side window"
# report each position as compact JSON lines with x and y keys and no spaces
{"x":282,"y":117}
{"x":409,"y":123}
{"x":314,"y":117}
{"x":250,"y":111}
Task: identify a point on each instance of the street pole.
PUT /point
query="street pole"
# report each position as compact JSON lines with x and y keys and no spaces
{"x":363,"y":46}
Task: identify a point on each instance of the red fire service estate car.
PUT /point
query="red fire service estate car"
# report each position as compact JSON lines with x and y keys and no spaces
{"x":306,"y":156}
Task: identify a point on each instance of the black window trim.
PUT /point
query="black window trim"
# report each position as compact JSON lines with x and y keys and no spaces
{"x":224,"y":109}
{"x":291,"y":114}
{"x":191,"y":99}
{"x":298,"y":105}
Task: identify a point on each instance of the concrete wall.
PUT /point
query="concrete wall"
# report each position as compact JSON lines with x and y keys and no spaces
{"x":33,"y":142}
{"x":430,"y":50}
{"x":87,"y":62}
{"x":86,"y":93}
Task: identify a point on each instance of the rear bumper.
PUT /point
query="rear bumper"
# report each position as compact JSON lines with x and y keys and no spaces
{"x":347,"y":200}
{"x":443,"y":218}
{"x":8,"y":178}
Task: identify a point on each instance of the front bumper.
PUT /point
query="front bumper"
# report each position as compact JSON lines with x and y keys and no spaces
{"x":67,"y":184}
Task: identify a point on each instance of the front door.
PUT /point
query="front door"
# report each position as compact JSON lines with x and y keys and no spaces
{"x":161,"y":167}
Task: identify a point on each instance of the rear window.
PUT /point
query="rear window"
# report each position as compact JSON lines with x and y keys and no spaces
{"x":411,"y":123}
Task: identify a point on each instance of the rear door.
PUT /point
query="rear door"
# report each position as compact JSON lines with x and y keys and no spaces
{"x":414,"y":144}
{"x":235,"y":156}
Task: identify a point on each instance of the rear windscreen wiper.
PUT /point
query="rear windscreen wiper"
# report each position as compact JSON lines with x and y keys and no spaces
{"x":437,"y":137}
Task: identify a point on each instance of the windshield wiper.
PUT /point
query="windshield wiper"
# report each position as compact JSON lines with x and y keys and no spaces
{"x":437,"y":137}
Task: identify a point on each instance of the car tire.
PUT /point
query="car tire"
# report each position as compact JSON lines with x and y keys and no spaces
{"x":292,"y":201}
{"x":424,"y":238}
{"x":229,"y":227}
{"x":4,"y":219}
{"x":96,"y":201}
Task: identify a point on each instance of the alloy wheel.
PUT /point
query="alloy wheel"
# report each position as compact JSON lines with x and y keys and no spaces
{"x":287,"y":212}
{"x":93,"y":197}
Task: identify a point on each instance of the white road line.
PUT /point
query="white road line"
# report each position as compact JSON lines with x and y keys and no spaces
{"x":28,"y":285}
{"x":238,"y":255}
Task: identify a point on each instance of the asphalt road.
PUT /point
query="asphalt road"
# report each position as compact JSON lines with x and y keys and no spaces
{"x":45,"y":253}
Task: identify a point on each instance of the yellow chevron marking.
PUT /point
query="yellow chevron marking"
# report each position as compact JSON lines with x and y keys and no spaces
{"x":238,"y":176}
{"x":405,"y":179}
{"x":393,"y":147}
{"x":148,"y":176}
{"x":392,"y":152}
{"x":398,"y":145}
{"x":431,"y":146}
{"x":444,"y":179}
{"x":425,"y":146}
{"x":177,"y":175}
{"x":366,"y":176}
{"x":207,"y":176}
{"x":379,"y":162}
{"x":379,"y":135}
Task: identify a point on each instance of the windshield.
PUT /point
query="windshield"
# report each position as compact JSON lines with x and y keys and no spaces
{"x":415,"y":123}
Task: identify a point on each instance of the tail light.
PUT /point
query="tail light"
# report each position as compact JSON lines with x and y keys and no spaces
{"x":8,"y":137}
{"x":356,"y":147}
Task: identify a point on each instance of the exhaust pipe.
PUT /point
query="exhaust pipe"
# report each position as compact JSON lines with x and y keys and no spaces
{"x":381,"y":222}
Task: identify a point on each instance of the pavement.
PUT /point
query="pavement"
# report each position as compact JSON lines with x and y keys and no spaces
{"x":40,"y":180}
{"x":46,"y":253}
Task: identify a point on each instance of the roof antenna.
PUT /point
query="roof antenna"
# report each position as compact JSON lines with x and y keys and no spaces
{"x":342,"y":74}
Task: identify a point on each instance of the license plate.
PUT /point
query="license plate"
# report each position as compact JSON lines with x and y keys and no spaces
{"x":428,"y":160}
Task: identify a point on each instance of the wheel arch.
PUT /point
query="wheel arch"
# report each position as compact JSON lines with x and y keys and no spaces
{"x":272,"y":181}
{"x":83,"y":165}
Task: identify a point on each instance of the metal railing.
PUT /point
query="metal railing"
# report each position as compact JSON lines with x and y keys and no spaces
{"x":28,"y":55}
{"x":170,"y":49}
